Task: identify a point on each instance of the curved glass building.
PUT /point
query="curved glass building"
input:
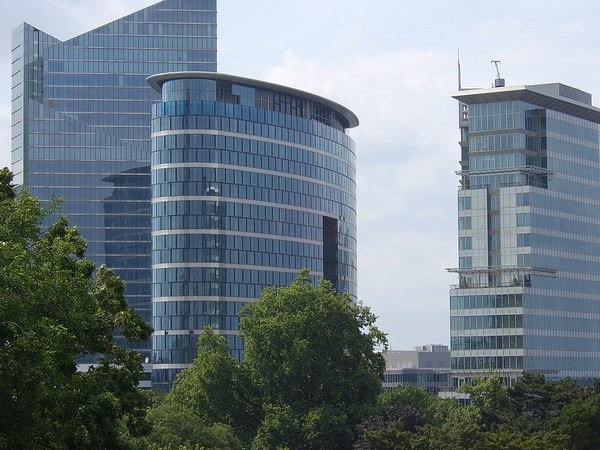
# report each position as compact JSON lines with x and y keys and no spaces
{"x":251,"y":182}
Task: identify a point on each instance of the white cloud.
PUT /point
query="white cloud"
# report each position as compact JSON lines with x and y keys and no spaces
{"x":407,"y":152}
{"x":394,"y":64}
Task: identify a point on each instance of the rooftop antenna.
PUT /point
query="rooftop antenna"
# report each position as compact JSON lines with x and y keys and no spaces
{"x":459,"y":76}
{"x":499,"y":81}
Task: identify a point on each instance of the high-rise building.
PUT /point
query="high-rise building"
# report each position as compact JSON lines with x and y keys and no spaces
{"x":242,"y":184}
{"x":251,"y":182}
{"x":81,"y":125}
{"x":528,"y":292}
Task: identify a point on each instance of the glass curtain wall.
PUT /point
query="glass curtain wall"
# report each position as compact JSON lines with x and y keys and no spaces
{"x":81,"y":125}
{"x":251,"y":182}
{"x":528,"y":225}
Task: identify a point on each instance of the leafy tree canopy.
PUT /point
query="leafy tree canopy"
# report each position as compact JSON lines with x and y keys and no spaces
{"x":52,"y":309}
{"x":310,"y":354}
{"x":310,"y":371}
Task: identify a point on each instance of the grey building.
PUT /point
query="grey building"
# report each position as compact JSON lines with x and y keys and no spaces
{"x":528,"y":278}
{"x":435,"y":356}
{"x":426,"y":366}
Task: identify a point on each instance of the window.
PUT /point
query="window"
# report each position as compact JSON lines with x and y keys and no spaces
{"x":465,"y":262}
{"x":465,"y":243}
{"x":494,"y":222}
{"x":524,"y":260}
{"x":523,"y":240}
{"x":523,"y":219}
{"x":464,"y":223}
{"x":494,"y":202}
{"x":523,"y":199}
{"x":495,"y":261}
{"x":495,"y":279}
{"x":464,"y":203}
{"x":494,"y":242}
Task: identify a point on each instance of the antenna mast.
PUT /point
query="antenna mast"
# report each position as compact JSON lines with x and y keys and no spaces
{"x":459,"y":76}
{"x":499,"y":81}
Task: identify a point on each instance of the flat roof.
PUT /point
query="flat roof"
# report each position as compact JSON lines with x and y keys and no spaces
{"x":555,"y":96}
{"x":156,"y":81}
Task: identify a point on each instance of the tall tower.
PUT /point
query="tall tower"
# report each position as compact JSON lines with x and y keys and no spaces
{"x":81,"y":125}
{"x":528,"y":292}
{"x":251,"y":182}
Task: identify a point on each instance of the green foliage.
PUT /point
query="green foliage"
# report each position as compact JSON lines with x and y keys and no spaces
{"x":310,"y":354}
{"x":280,"y":429}
{"x":216,"y":388}
{"x":52,"y":309}
{"x":7,"y":189}
{"x":524,"y":417}
{"x":507,"y":439}
{"x":176,"y":425}
{"x":207,"y":387}
{"x":307,"y":345}
{"x":207,"y":406}
{"x":408,"y":395}
{"x":452,"y":427}
{"x":580,"y":419}
{"x":309,"y":373}
{"x":410,"y":417}
{"x":490,"y":398}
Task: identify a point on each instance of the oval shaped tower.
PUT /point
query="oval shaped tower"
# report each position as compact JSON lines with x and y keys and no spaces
{"x":251,"y":182}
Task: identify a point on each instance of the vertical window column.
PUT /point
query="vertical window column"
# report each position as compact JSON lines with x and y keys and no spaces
{"x":330,"y":250}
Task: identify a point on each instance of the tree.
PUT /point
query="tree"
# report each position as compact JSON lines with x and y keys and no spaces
{"x":174,"y":426}
{"x":410,"y":417}
{"x":310,"y":372}
{"x":310,"y":355}
{"x":409,"y":395}
{"x":394,"y":428}
{"x":209,"y":406}
{"x":52,"y":309}
{"x":396,"y":417}
{"x":452,"y":427}
{"x":506,"y":438}
{"x":580,"y":420}
{"x":490,"y":398}
{"x":216,"y":388}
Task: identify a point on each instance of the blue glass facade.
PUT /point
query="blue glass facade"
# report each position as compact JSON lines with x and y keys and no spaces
{"x":250,"y":183}
{"x":528,"y":296}
{"x":81,"y":125}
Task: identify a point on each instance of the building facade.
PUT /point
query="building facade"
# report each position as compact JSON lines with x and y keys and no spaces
{"x":426,"y":366}
{"x":528,"y":292}
{"x":81,"y":125}
{"x":251,"y":182}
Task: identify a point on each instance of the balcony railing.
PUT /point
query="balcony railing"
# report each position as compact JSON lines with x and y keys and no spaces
{"x":503,"y":276}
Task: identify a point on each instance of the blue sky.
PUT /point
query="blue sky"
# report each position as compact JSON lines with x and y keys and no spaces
{"x":393,"y":62}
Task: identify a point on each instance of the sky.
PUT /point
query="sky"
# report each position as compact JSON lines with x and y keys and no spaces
{"x":394,"y":64}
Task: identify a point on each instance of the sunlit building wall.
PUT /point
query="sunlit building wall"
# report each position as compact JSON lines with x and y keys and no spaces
{"x":251,"y":182}
{"x":528,"y":288}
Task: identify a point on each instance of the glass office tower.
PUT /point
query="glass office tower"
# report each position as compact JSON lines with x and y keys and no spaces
{"x":251,"y":182}
{"x":528,"y":292}
{"x":81,"y":124}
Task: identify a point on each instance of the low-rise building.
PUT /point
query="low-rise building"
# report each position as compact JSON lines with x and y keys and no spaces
{"x":427,"y":366}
